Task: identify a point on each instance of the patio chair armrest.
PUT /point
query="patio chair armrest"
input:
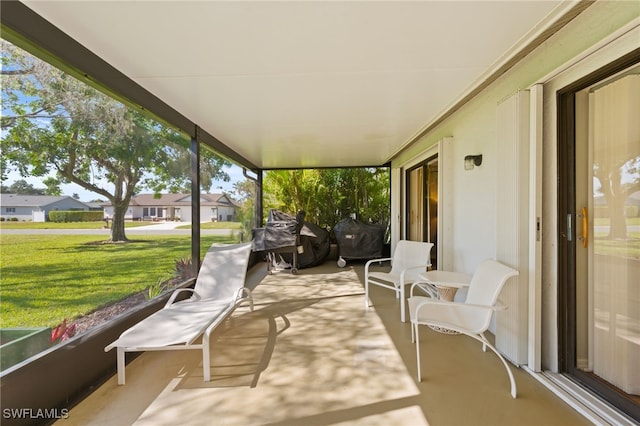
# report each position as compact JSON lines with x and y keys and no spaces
{"x":497,"y":307}
{"x":369,"y":262}
{"x":175,"y":294}
{"x":430,"y":301}
{"x":412,"y":268}
{"x":426,"y":287}
{"x":456,"y":305}
{"x":244,"y":294}
{"x":500,"y":307}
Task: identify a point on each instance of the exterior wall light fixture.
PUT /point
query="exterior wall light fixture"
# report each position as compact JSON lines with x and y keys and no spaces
{"x":470,"y":161}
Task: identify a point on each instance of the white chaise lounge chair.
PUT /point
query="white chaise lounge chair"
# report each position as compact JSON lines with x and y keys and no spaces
{"x":218,"y":291}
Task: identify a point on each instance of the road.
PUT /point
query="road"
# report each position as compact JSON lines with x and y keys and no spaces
{"x":164,"y":228}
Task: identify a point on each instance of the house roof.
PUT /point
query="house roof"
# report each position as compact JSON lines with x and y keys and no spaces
{"x":18,"y":200}
{"x":291,"y":84}
{"x":151,"y":200}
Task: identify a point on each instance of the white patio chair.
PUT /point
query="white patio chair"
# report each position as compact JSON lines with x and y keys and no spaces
{"x":410,"y":258}
{"x":471,"y":317}
{"x":218,"y":291}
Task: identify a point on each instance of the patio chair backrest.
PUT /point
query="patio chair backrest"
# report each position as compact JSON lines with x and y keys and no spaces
{"x":223,"y":271}
{"x":487,"y":282}
{"x":408,"y":254}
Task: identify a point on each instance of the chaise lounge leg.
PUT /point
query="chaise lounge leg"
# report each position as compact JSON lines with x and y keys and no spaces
{"x":206,"y":359}
{"x":120,"y":361}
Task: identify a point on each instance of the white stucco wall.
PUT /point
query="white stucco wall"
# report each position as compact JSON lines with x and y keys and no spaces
{"x":591,"y":40}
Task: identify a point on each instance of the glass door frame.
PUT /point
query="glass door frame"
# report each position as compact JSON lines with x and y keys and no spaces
{"x":428,"y":211}
{"x":567,"y":220}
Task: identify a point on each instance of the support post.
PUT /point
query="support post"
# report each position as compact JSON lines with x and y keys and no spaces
{"x":195,"y":202}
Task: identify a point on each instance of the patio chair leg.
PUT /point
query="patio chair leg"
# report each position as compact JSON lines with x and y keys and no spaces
{"x":486,"y":344}
{"x":402,"y":303}
{"x":416,"y":332}
{"x":366,"y":294}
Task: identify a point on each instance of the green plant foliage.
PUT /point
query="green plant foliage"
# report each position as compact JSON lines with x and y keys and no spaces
{"x":329,"y":195}
{"x":184,"y":269}
{"x":75,"y":216}
{"x":160,"y":286}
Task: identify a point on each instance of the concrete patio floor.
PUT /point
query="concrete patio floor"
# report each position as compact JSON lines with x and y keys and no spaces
{"x":311,"y":354}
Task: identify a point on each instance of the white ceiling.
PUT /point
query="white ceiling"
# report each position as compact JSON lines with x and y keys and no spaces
{"x":303,"y":83}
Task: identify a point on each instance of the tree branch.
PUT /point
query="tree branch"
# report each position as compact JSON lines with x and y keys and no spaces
{"x":17,"y":72}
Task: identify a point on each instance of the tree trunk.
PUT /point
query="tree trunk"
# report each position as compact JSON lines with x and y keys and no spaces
{"x":617,"y":221}
{"x":117,"y":224}
{"x":615,"y":196}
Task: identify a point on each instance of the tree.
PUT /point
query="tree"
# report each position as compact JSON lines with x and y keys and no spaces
{"x":245,"y":192}
{"x":22,"y":187}
{"x":616,"y":146}
{"x":53,"y":122}
{"x":53,"y":186}
{"x":616,"y":190}
{"x":329,"y":195}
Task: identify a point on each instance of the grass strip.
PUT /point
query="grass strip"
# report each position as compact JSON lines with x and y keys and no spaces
{"x":100,"y":225}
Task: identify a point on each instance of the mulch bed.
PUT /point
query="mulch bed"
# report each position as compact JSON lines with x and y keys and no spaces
{"x":107,"y":312}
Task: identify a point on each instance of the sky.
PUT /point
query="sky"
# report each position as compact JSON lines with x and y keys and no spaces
{"x":234,"y":172}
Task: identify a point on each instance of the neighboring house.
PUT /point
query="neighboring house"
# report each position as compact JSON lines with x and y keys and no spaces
{"x":95,"y":206}
{"x":213,"y":207}
{"x":36,"y":208}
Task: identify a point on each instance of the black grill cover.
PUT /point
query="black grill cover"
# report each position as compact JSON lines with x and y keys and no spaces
{"x":274,"y":235}
{"x":283,"y":230}
{"x":358,"y":240}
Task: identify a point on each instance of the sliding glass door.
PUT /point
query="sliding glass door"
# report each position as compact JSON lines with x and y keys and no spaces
{"x":600,"y":235}
{"x":422,"y":204}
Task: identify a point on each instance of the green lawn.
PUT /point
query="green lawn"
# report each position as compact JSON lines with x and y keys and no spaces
{"x":65,"y":225}
{"x":47,"y":278}
{"x":100,"y":225}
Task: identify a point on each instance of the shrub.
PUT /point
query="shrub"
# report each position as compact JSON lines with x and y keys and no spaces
{"x":75,"y":216}
{"x":183,"y":271}
{"x":159,"y":287}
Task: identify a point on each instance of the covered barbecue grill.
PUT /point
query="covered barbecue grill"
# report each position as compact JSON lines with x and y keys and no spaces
{"x":290,"y":239}
{"x":358,"y":240}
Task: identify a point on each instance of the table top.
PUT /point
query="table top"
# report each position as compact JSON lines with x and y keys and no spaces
{"x":446,"y":278}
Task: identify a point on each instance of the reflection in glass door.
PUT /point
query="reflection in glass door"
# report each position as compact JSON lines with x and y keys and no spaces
{"x":605,"y":230}
{"x":415,"y":221}
{"x":422,"y":202}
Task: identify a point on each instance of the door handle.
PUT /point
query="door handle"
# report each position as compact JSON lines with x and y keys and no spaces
{"x":585,"y":228}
